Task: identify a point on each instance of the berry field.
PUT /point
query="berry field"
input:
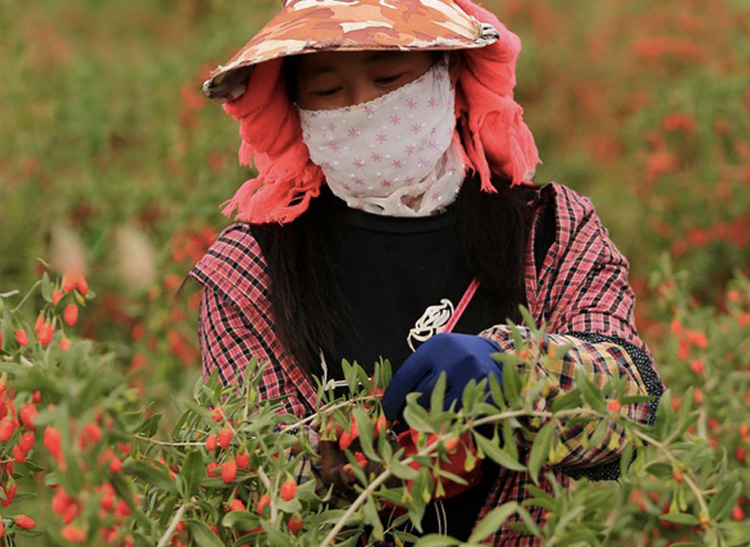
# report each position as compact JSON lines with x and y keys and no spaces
{"x":113,"y":168}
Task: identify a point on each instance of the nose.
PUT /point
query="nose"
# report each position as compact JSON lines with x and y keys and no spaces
{"x":362,"y":91}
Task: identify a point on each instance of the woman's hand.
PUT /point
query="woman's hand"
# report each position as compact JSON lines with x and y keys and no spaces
{"x":462,"y":357}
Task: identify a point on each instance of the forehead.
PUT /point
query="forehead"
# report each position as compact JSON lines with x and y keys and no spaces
{"x":331,"y":61}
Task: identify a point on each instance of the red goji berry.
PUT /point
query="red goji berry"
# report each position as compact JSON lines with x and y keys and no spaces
{"x":614,"y":406}
{"x":345,"y":441}
{"x":27,"y":441}
{"x":82,"y":286}
{"x":263,"y":502}
{"x":228,"y":471}
{"x":73,"y":534}
{"x":28,"y":415}
{"x":70,"y":315}
{"x":52,"y":440}
{"x":7,"y":427}
{"x":295,"y":523}
{"x":56,"y":297}
{"x":22,"y":338}
{"x":211,"y":442}
{"x":243,"y":460}
{"x":225,"y":437}
{"x":288,"y":490}
{"x":27,"y":523}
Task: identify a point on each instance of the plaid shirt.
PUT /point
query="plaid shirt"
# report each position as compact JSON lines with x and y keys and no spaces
{"x":580,"y":293}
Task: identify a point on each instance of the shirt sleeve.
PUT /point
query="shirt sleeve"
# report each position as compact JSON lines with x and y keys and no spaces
{"x":236,"y":322}
{"x":228,"y":344}
{"x":582,"y":297}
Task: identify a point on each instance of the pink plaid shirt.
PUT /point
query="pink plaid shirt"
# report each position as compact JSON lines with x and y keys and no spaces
{"x":580,"y":293}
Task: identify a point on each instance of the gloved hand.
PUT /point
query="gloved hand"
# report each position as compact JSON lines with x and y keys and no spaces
{"x":462,"y":357}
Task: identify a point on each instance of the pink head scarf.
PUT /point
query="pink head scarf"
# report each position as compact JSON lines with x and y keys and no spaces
{"x":494,"y":135}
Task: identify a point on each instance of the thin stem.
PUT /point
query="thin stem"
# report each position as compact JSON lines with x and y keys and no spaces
{"x":164,"y":443}
{"x":169,"y":532}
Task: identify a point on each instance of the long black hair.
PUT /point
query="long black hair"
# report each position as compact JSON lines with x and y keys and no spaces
{"x":309,"y":310}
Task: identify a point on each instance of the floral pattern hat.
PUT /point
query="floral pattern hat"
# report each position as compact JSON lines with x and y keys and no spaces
{"x":308,"y":26}
{"x":490,"y":134}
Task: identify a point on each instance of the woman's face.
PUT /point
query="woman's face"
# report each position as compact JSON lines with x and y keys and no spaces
{"x":331,"y":79}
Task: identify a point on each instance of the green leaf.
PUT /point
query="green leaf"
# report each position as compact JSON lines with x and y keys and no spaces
{"x":46,"y":287}
{"x":599,"y":434}
{"x":681,"y":518}
{"x":492,"y":522}
{"x":571,"y":399}
{"x":402,"y":471}
{"x":366,"y":432}
{"x":497,"y":454}
{"x":726,"y":498}
{"x":626,"y":458}
{"x":438,"y":393}
{"x":497,"y":393}
{"x":436,"y":540}
{"x":151,"y":475}
{"x":276,"y":537}
{"x":512,"y":385}
{"x":370,"y":512}
{"x":193,"y":471}
{"x":590,"y":392}
{"x":202,"y":534}
{"x":151,"y":425}
{"x":540,"y":449}
{"x":415,"y":415}
{"x":241,"y":520}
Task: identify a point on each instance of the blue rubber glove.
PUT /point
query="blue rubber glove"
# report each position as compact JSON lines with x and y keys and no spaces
{"x":462,"y":357}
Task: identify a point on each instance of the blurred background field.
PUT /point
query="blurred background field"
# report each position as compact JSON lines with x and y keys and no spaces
{"x":111,"y":159}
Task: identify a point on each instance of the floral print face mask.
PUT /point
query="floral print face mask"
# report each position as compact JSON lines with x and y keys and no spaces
{"x":394,"y":155}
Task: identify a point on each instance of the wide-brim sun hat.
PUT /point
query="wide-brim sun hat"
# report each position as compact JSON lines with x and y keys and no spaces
{"x":309,"y":26}
{"x":490,"y":131}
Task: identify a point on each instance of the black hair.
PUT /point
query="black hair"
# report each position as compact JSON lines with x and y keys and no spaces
{"x":309,"y":310}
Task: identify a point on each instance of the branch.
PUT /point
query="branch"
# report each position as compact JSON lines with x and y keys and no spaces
{"x":169,"y":532}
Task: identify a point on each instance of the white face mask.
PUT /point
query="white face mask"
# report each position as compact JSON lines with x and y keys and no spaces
{"x":393,"y":155}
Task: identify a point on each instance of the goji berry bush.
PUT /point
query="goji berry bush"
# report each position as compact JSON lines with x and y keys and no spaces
{"x":113,"y":168}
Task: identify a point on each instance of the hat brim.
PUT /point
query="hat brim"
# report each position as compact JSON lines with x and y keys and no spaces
{"x":309,"y":26}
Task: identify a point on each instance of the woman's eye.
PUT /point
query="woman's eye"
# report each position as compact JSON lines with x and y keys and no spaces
{"x":326,"y":92}
{"x":388,"y":79}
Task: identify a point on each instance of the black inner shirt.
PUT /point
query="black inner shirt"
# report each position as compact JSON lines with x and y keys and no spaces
{"x":391,"y":270}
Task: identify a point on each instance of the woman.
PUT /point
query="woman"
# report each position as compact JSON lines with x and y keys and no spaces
{"x":394,"y":204}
